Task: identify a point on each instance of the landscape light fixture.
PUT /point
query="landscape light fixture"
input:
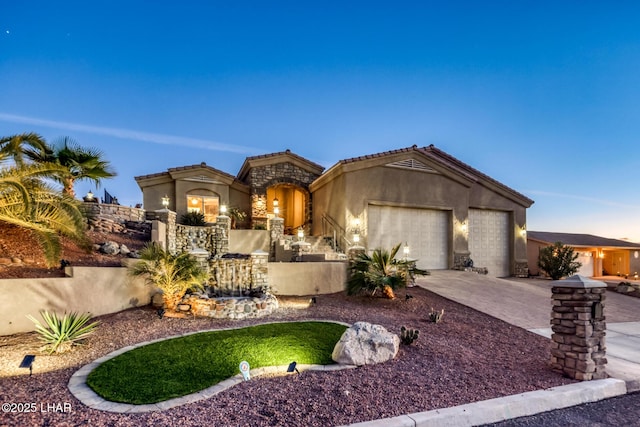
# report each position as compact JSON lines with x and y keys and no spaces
{"x":27,"y":362}
{"x":165,"y":201}
{"x":292,"y":367}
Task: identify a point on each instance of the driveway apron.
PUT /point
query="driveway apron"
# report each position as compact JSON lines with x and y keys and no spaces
{"x":527,"y":303}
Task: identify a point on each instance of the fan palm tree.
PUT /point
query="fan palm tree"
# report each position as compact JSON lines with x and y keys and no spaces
{"x":81,"y":163}
{"x":380,"y":271}
{"x":173,"y":274}
{"x":27,"y":201}
{"x":22,"y":146}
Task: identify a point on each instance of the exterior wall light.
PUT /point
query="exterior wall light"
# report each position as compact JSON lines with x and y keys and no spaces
{"x":356,"y":238}
{"x":523,"y":232}
{"x":300,"y":234}
{"x":165,"y":201}
{"x":276,"y":208}
{"x":405,"y":250}
{"x":636,"y":254}
{"x":464,"y":227}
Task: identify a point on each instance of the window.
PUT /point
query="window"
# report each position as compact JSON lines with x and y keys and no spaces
{"x":208,"y":205}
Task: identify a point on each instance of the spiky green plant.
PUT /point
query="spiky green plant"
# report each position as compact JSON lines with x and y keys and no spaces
{"x":380,"y":271}
{"x":408,"y":335}
{"x":173,"y":274}
{"x":193,"y":218}
{"x":70,"y":328}
{"x":436,"y":316}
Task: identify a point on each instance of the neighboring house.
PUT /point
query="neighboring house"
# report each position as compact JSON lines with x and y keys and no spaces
{"x":599,"y":256}
{"x":444,"y":210}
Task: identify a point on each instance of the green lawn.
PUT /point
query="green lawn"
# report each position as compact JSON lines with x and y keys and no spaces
{"x":180,"y":366}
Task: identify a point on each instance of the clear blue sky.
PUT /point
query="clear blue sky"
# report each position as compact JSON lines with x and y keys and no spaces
{"x":543,"y":96}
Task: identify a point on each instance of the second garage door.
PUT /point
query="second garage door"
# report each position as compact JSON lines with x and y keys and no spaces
{"x":425,"y":231}
{"x":489,"y":240}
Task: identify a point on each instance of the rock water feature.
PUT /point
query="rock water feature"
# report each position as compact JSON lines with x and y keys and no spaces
{"x":237,"y":289}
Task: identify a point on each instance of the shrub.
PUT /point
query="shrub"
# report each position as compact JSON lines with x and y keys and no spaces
{"x":71,"y":329}
{"x":558,"y":261}
{"x":408,"y":336}
{"x":193,"y":218}
{"x":436,"y":316}
{"x":380,"y":271}
{"x":173,"y":274}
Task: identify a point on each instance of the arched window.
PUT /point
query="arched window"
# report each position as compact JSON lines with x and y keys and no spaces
{"x":207,"y":205}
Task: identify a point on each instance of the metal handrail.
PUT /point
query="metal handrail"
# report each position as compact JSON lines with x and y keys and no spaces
{"x":339,"y":233}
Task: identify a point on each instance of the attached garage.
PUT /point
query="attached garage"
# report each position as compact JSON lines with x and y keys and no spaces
{"x":426,"y":231}
{"x":489,"y":240}
{"x":586,"y":259}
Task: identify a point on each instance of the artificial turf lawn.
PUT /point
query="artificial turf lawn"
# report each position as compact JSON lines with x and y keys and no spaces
{"x":184,"y":365}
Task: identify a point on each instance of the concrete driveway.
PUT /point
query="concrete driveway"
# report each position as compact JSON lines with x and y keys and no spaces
{"x":527,"y":303}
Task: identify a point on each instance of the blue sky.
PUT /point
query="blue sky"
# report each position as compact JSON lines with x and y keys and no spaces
{"x":541,"y":95}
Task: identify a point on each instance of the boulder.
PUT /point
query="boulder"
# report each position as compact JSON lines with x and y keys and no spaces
{"x":110,"y":248}
{"x":365,"y":344}
{"x":124,"y":250}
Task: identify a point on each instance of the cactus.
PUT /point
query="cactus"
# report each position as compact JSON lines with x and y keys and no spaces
{"x":407,"y":336}
{"x":436,"y":316}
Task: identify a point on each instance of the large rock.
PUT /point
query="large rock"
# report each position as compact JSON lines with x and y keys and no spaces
{"x":110,"y":248}
{"x":365,"y":344}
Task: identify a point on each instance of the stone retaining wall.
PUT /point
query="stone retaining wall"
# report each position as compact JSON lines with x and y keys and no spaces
{"x":229,"y":307}
{"x":115,"y":218}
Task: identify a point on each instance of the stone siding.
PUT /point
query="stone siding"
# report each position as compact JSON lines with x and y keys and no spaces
{"x":229,"y":308}
{"x":110,"y":218}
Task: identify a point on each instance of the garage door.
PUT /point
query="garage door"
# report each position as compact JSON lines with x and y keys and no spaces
{"x":425,"y":230}
{"x":586,"y":259}
{"x":489,"y":240}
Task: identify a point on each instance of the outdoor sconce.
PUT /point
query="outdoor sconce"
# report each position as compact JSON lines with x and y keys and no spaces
{"x":463,"y":226}
{"x":223,"y":209}
{"x":636,"y":254}
{"x":165,"y":201}
{"x":356,"y":230}
{"x":405,"y":250}
{"x":300,"y":234}
{"x":356,"y":238}
{"x":523,"y":232}
{"x":276,"y":208}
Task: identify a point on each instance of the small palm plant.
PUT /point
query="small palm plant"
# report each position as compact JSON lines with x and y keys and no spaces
{"x":173,"y":274}
{"x":380,"y":272}
{"x":60,"y":333}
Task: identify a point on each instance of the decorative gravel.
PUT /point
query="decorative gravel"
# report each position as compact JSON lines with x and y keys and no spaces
{"x":468,"y":357}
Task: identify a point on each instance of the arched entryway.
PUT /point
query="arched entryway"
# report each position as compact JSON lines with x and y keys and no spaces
{"x":292,"y":205}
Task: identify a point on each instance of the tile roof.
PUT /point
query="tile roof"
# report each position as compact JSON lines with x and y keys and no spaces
{"x":572,"y":239}
{"x":183,"y":168}
{"x":280,"y":153}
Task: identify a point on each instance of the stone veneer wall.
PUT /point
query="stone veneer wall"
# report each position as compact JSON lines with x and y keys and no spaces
{"x":579,"y":328}
{"x":115,"y":218}
{"x":229,"y":308}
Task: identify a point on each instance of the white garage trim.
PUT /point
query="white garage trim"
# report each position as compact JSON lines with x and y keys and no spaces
{"x":489,"y":241}
{"x":426,"y":231}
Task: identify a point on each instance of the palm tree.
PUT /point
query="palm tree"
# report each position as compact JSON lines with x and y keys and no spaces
{"x":27,"y":201}
{"x":173,"y":274}
{"x":81,"y":163}
{"x":23,"y":145}
{"x":380,"y":271}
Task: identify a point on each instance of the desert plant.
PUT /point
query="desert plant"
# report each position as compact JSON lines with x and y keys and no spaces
{"x":193,"y":218}
{"x":236,"y":216}
{"x":436,"y":316}
{"x":173,"y":274}
{"x":380,"y":271}
{"x":558,"y":261}
{"x":70,"y":329}
{"x":408,"y":336}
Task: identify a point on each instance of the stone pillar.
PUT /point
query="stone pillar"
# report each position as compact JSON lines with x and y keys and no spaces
{"x":521,"y":268}
{"x":299,"y":249}
{"x":276,"y":225}
{"x":223,"y":226}
{"x":259,"y":269}
{"x":354,"y":251}
{"x":169,"y":219}
{"x":461,"y":259}
{"x":579,"y":328}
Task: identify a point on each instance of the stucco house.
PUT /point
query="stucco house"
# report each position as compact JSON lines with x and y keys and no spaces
{"x":599,"y":256}
{"x":443,"y":210}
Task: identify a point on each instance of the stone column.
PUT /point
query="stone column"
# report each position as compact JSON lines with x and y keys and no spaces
{"x":579,"y":328}
{"x":169,"y":219}
{"x":521,"y":268}
{"x":461,"y":259}
{"x":354,"y":251}
{"x":223,"y":226}
{"x":259,"y":269}
{"x":276,"y":225}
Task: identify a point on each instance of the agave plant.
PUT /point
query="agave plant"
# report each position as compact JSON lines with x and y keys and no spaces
{"x":380,"y":272}
{"x":70,"y":328}
{"x":173,"y":274}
